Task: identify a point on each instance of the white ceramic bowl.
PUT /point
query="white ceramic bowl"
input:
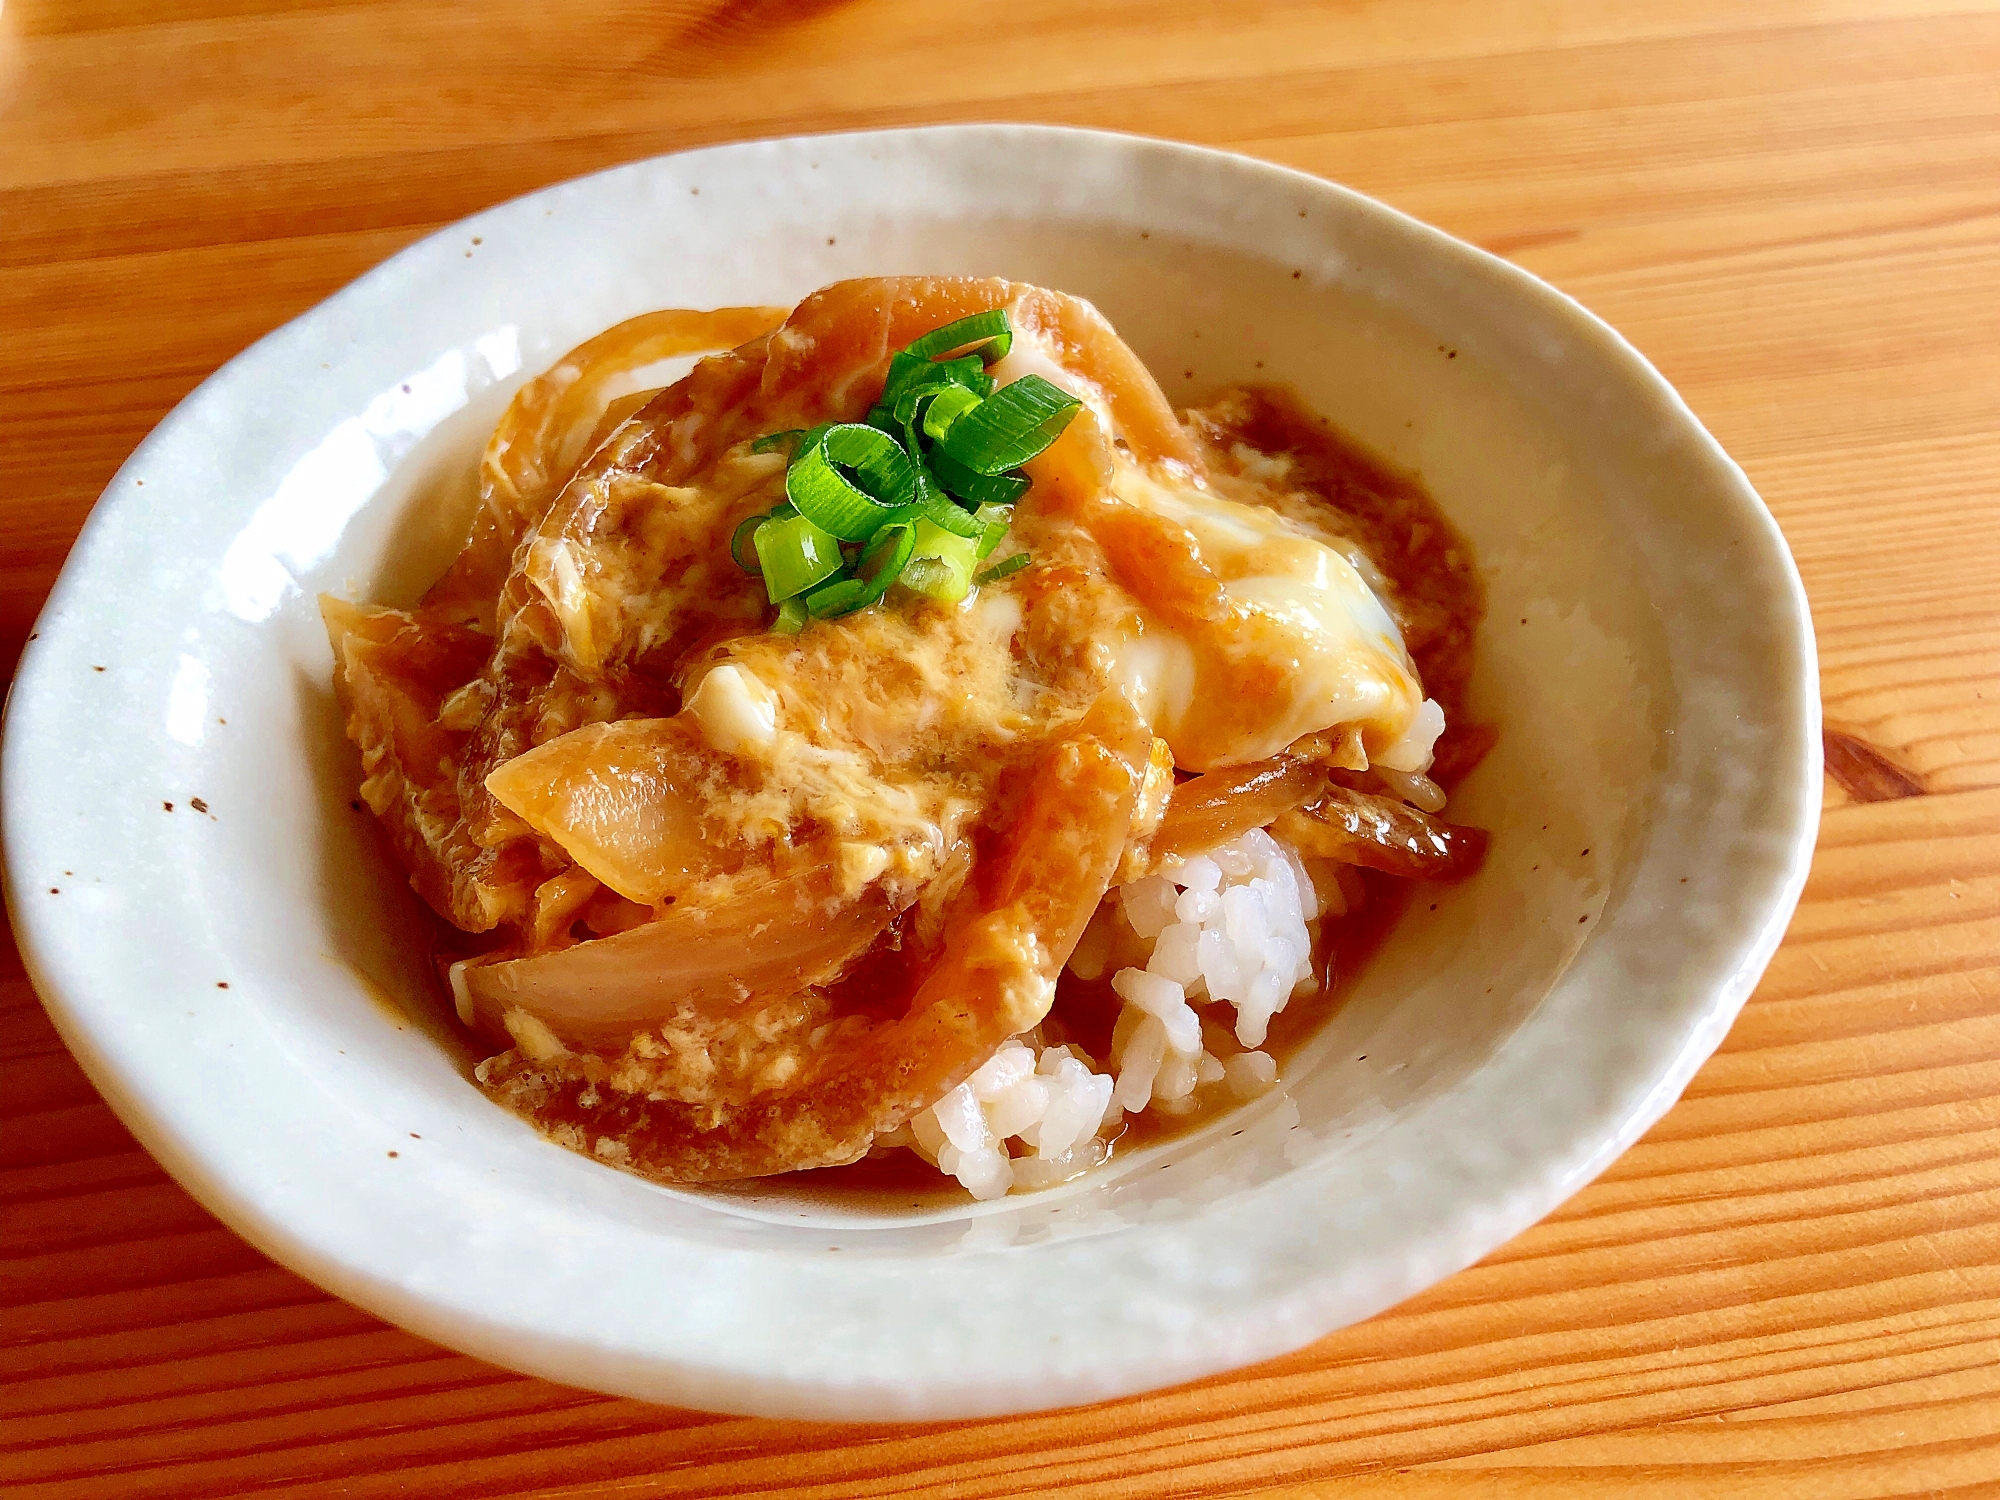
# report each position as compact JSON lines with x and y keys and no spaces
{"x":1653,"y":797}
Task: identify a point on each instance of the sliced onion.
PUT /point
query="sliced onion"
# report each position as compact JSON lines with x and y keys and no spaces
{"x":769,"y":939}
{"x":624,"y":800}
{"x":1208,"y":811}
{"x":1380,"y":833}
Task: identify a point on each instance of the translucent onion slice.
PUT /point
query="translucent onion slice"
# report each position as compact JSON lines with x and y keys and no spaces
{"x":1208,"y":811}
{"x":1380,"y":833}
{"x":624,"y":801}
{"x":767,"y":938}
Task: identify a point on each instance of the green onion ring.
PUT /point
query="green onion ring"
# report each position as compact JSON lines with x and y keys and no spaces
{"x":744,"y":537}
{"x":937,"y":507}
{"x":884,"y":480}
{"x":990,"y":330}
{"x":1010,"y":426}
{"x":993,"y":523}
{"x":793,"y":554}
{"x":942,"y":565}
{"x":945,"y":408}
{"x":908,"y":375}
{"x":968,"y":484}
{"x":881,"y":564}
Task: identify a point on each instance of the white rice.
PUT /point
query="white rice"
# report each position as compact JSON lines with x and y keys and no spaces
{"x":1047,"y":1101}
{"x":1226,"y":928}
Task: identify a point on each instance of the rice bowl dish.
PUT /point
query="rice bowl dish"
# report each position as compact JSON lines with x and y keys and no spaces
{"x":1645,"y":656}
{"x":884,"y":738}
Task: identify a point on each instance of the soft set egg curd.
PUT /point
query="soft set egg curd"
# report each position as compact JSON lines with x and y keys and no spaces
{"x":907,"y":734}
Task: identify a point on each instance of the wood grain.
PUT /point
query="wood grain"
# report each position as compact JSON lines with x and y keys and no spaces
{"x":1790,"y":1287}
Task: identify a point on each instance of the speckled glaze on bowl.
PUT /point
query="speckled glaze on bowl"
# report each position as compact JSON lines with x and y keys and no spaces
{"x":1653,"y":797}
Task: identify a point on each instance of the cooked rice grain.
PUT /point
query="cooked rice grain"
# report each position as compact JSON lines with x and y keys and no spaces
{"x":1230,"y":927}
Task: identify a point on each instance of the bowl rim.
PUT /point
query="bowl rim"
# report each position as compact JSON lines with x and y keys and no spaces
{"x":46,"y":934}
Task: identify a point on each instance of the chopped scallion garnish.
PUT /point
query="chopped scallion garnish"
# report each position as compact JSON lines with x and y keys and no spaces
{"x":882,"y":562}
{"x":1011,"y":426}
{"x":818,"y":481}
{"x":1001,"y":570}
{"x":993,"y":523}
{"x":907,"y":375}
{"x":942,"y":511}
{"x":954,"y":557}
{"x":921,"y":493}
{"x":945,"y":408}
{"x":989,"y":331}
{"x":742,"y":543}
{"x":969,"y":484}
{"x":793,"y":554}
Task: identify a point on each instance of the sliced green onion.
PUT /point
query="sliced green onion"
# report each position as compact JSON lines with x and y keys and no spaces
{"x":881,"y":561}
{"x":934,"y":501}
{"x":911,"y":409}
{"x":793,"y":554}
{"x":931,"y":502}
{"x":742,"y":542}
{"x":990,"y":330}
{"x":969,"y":484}
{"x":907,"y":375}
{"x":886,"y":554}
{"x":938,"y":508}
{"x":1002,"y":570}
{"x":841,"y":597}
{"x":931,"y":577}
{"x":904,"y":485}
{"x":993,"y":523}
{"x":967,"y":373}
{"x":945,"y":408}
{"x":818,"y":484}
{"x":941,"y":564}
{"x":1010,"y":426}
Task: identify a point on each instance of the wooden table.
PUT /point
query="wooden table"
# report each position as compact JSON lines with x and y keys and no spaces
{"x":1792,"y":1286}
